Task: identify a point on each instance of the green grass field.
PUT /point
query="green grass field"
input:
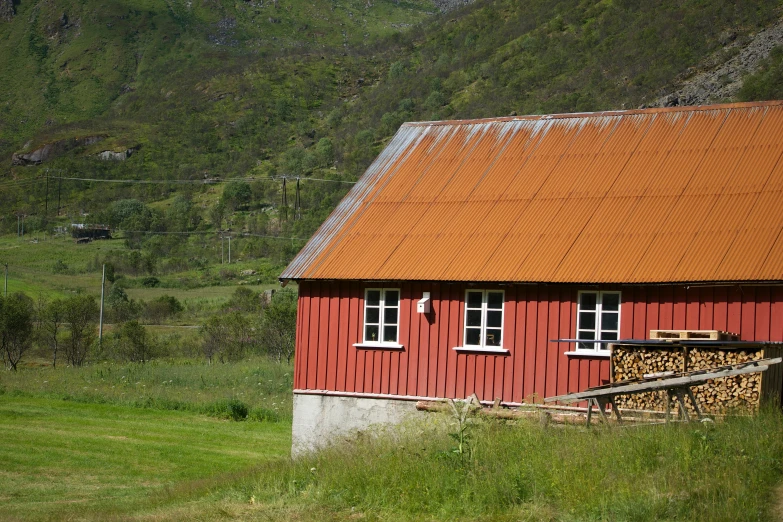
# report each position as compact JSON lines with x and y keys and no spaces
{"x":67,"y":460}
{"x":193,"y":385}
{"x":128,"y":442}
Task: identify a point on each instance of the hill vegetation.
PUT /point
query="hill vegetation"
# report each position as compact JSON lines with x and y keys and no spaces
{"x":254,"y":91}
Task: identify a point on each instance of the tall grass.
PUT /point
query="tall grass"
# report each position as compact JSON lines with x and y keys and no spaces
{"x":710,"y":472}
{"x":262,"y":386}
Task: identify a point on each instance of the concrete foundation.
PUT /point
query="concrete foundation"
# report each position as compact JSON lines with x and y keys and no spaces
{"x":320,"y":420}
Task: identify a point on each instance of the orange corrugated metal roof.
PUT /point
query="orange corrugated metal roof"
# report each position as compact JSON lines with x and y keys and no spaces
{"x":691,"y":194}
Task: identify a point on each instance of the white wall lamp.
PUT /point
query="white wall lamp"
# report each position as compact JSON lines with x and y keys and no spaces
{"x":423,"y":305}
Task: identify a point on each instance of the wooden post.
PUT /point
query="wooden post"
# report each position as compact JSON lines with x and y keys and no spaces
{"x":100,"y":323}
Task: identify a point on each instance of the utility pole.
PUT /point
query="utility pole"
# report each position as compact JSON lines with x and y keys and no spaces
{"x":100,"y":324}
{"x":221,"y":249}
{"x":46,"y":205}
{"x":229,"y":250}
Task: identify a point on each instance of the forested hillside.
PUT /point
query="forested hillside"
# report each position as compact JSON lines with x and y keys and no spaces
{"x":196,"y":93}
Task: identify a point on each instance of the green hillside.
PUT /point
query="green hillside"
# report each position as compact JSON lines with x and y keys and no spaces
{"x":301,"y":88}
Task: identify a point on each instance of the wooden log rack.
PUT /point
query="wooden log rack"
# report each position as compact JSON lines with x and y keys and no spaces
{"x":677,"y":385}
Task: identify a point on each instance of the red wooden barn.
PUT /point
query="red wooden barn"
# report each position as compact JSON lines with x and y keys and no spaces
{"x":468,"y":246}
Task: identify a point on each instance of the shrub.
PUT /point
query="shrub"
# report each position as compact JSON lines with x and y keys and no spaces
{"x":233,"y":409}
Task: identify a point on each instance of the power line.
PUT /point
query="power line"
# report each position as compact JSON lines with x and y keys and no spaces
{"x":208,"y":181}
{"x":207,"y":233}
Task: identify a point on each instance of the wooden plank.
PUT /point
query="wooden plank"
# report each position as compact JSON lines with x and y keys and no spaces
{"x":406,"y":312}
{"x":414,"y":345}
{"x":542,"y":341}
{"x":343,"y":348}
{"x":424,"y":345}
{"x":443,"y":341}
{"x":510,"y":333}
{"x":515,"y":378}
{"x":433,"y":343}
{"x":334,"y":328}
{"x":354,"y":329}
{"x":531,"y":321}
{"x":323,"y":336}
{"x":453,"y":339}
{"x":748,"y":328}
{"x":312,"y":345}
{"x":715,"y":335}
{"x":669,"y":382}
{"x":551,"y":349}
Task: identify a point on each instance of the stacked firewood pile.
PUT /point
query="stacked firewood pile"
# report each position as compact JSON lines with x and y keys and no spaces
{"x":739,"y":393}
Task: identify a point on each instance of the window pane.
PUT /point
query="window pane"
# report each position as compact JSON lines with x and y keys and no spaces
{"x":474,"y":299}
{"x":610,"y":302}
{"x":587,"y":320}
{"x":494,"y":318}
{"x":495,"y":300}
{"x":371,"y":333}
{"x":390,"y":334}
{"x":587,"y":300}
{"x":472,"y":336}
{"x":373,"y":316}
{"x":608,"y":336}
{"x":609,"y":320}
{"x":392,"y":297}
{"x":474,"y":318}
{"x":586,"y":335}
{"x":373,"y":298}
{"x":493,"y":337}
{"x":390,"y":316}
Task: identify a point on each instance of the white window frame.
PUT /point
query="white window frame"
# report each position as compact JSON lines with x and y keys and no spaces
{"x":483,"y":347}
{"x":598,"y":348}
{"x":382,"y":307}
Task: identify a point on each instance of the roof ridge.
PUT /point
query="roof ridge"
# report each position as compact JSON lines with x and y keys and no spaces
{"x":598,"y":114}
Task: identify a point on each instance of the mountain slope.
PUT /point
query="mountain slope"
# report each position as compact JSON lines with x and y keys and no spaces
{"x":310,"y":89}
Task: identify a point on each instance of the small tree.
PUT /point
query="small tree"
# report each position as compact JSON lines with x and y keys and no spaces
{"x":81,"y":315}
{"x":16,"y":328}
{"x":236,"y":194}
{"x":278,"y":326}
{"x":227,"y":336}
{"x":134,"y":344}
{"x":52,"y":323}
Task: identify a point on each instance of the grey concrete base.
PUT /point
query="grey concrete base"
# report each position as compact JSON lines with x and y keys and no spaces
{"x":320,"y":420}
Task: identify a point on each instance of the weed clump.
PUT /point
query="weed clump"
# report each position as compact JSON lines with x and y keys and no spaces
{"x":232,"y":409}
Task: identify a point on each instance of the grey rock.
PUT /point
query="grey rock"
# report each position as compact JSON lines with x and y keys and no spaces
{"x":444,"y":6}
{"x":721,"y":79}
{"x":110,"y":155}
{"x":50,"y":150}
{"x":7,"y":10}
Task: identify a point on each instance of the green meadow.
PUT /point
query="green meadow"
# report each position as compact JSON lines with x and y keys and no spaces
{"x":178,"y":440}
{"x":86,"y":461}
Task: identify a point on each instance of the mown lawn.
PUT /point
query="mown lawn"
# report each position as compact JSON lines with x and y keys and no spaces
{"x":66,"y":460}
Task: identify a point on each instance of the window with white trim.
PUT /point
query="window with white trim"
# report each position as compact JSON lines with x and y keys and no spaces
{"x":484,"y":318}
{"x":381,"y":315}
{"x":598,"y":318}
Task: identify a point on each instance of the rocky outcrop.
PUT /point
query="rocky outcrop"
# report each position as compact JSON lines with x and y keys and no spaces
{"x":6,"y":10}
{"x":110,"y":155}
{"x":721,"y":79}
{"x":444,"y":6}
{"x":50,"y":150}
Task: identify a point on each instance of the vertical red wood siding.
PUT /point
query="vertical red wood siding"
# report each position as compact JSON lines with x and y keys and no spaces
{"x":331,"y":313}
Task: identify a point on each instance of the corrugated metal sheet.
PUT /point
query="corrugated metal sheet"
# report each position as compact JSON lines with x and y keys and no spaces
{"x":646,"y":196}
